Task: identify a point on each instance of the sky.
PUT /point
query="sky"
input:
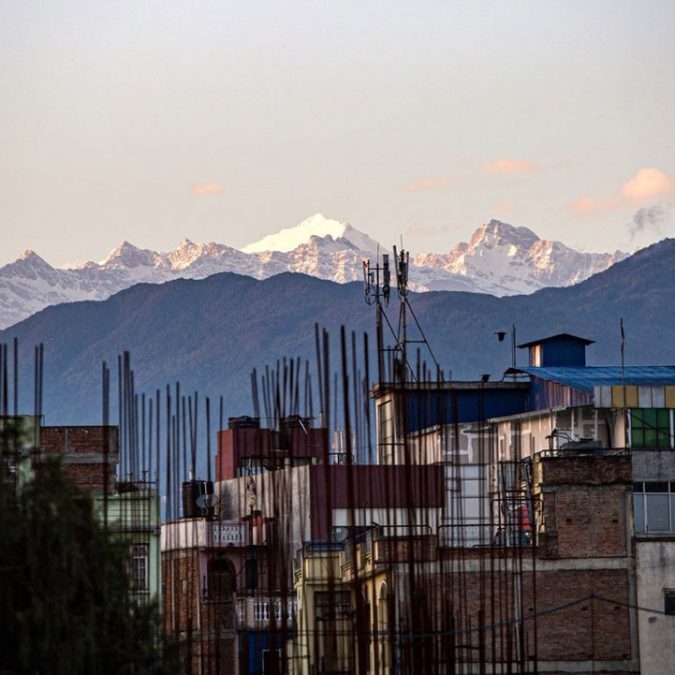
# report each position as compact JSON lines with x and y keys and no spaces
{"x":226,"y":121}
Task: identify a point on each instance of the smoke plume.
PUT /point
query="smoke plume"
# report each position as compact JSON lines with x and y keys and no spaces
{"x":650,"y":219}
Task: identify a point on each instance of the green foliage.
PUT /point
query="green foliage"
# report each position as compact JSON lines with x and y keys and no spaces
{"x":64,"y":588}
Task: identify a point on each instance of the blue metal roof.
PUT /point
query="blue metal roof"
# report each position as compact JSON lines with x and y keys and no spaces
{"x":584,"y":379}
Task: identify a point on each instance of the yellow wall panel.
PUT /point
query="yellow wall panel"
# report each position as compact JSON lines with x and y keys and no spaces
{"x":631,"y":396}
{"x":670,"y":397}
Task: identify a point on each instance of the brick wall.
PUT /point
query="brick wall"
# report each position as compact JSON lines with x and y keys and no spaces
{"x":82,"y":451}
{"x":584,"y":506}
{"x":599,"y":469}
{"x":458,"y":605}
{"x":79,"y":439}
{"x":205,"y":630}
{"x":580,"y":568}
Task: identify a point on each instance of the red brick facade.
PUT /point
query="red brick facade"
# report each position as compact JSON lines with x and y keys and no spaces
{"x":203,"y":624}
{"x":566,"y":600}
{"x":83,"y":452}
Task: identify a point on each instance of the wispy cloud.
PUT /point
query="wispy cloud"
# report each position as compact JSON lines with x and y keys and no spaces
{"x":643,"y":186}
{"x":511,"y":166}
{"x":593,"y":205}
{"x":650,"y":219}
{"x":503,"y":206}
{"x":646,"y":184}
{"x":433,"y":183}
{"x":201,"y":189}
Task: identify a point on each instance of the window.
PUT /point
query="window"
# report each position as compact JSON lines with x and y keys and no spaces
{"x":383,"y":609}
{"x":650,"y":428}
{"x":386,"y":422}
{"x":271,"y":661}
{"x":654,"y":507}
{"x":669,"y":602}
{"x":536,"y":355}
{"x":221,"y":580}
{"x":139,"y":567}
{"x":385,"y":430}
{"x":335,"y":605}
{"x":251,"y":573}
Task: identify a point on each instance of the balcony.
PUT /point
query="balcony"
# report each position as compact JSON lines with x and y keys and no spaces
{"x":228,"y":533}
{"x":204,"y":533}
{"x":258,"y":612}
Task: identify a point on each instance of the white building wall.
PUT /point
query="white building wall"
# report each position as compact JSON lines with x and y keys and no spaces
{"x":655,"y":562}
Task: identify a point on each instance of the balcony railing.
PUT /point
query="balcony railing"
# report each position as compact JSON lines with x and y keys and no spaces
{"x":203,"y":533}
{"x":226,"y":534}
{"x":465,"y":535}
{"x":259,"y":611}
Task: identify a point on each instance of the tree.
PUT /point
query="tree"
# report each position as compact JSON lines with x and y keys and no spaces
{"x":65,"y":605}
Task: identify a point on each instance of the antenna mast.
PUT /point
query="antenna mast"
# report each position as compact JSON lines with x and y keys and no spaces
{"x":402,"y":260}
{"x":375,"y":292}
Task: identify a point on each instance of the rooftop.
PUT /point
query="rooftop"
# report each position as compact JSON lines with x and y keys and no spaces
{"x":560,"y":336}
{"x":379,"y":389}
{"x":588,"y":377}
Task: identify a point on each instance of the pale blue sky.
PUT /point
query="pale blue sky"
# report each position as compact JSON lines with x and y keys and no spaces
{"x":423,"y":118}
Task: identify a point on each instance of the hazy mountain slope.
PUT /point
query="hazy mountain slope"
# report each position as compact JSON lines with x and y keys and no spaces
{"x":210,"y":333}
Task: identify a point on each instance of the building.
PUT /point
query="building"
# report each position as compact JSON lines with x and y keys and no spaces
{"x":495,"y":460}
{"x":521,"y":525}
{"x":269,"y":505}
{"x":89,"y":456}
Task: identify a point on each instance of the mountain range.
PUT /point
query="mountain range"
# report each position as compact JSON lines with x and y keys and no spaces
{"x":210,"y":333}
{"x":499,"y":259}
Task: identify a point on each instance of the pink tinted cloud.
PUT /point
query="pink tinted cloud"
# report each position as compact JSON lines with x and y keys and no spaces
{"x":201,"y":189}
{"x":511,"y":166}
{"x":434,"y":183}
{"x":590,"y":205}
{"x":647,"y":183}
{"x":503,"y":206}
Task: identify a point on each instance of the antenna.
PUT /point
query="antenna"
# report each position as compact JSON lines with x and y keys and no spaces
{"x":386,"y":279}
{"x":377,"y":287}
{"x":402,"y":261}
{"x":375,"y":293}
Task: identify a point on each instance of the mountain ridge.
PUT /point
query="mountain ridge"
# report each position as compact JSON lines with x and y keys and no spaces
{"x":209,"y":333}
{"x":499,"y":258}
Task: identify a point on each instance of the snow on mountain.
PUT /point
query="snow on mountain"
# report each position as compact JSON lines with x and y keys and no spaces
{"x":30,"y":283}
{"x":499,"y":259}
{"x":318,"y":225}
{"x":508,"y":260}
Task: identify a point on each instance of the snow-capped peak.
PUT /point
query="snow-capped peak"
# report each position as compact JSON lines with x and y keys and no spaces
{"x":497,"y":233}
{"x":317,"y":225}
{"x":126,"y":255}
{"x":506,"y":259}
{"x":28,"y":262}
{"x":29,"y":254}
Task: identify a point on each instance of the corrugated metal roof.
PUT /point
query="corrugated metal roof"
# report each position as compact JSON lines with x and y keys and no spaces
{"x":584,"y":379}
